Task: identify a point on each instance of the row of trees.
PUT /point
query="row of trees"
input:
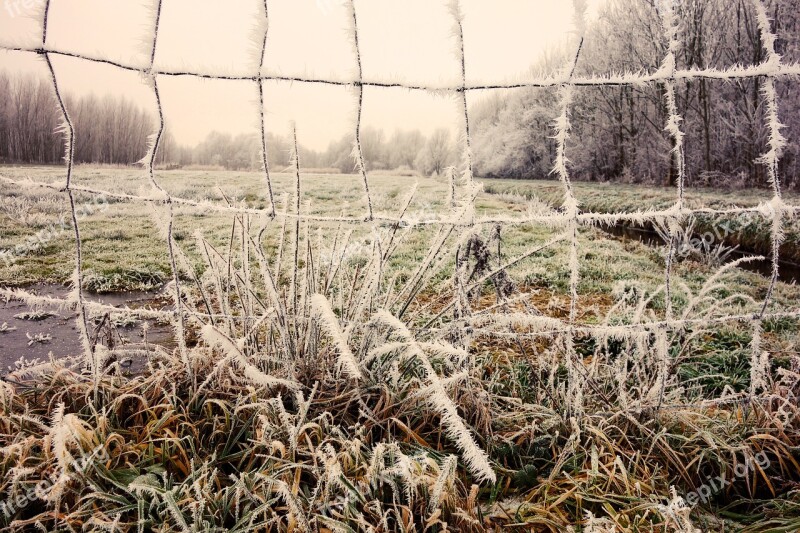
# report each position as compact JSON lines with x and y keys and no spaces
{"x":113,"y":130}
{"x":618,"y":132}
{"x":27,"y":121}
{"x":403,"y":150}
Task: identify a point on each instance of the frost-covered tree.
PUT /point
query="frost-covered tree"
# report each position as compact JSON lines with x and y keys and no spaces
{"x":512,"y":135}
{"x":618,"y":131}
{"x":437,"y":154}
{"x":403,"y":148}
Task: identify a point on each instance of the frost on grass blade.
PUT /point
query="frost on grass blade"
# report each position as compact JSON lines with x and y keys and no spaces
{"x":213,"y":337}
{"x":476,"y":459}
{"x":330,"y":323}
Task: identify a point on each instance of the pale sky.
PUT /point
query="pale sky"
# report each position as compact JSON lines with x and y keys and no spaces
{"x":400,"y":40}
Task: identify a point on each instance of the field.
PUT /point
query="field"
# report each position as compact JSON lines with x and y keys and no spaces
{"x":415,"y":393}
{"x":125,"y":252}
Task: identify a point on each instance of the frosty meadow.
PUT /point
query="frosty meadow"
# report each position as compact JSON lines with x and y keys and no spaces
{"x":357,"y":352}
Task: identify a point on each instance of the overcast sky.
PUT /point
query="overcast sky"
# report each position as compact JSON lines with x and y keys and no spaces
{"x":400,"y":40}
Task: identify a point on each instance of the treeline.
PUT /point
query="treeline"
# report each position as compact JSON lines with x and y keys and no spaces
{"x":27,"y":121}
{"x":618,"y":133}
{"x":113,"y":130}
{"x":402,"y":150}
{"x":409,"y":150}
{"x":109,"y":130}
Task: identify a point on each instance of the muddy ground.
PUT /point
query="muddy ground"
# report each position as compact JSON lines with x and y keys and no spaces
{"x":49,"y":331}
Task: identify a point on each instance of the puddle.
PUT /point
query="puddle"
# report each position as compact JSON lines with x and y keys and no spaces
{"x":788,"y":272}
{"x":61,"y":332}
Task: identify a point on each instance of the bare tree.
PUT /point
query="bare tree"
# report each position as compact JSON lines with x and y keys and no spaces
{"x":403,"y":148}
{"x":620,"y":130}
{"x":437,"y":153}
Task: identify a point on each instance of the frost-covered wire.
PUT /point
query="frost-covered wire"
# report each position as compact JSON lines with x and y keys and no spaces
{"x":565,"y":221}
{"x":358,"y":151}
{"x":76,"y":297}
{"x":168,"y":226}
{"x":596,"y":80}
{"x":262,"y":30}
{"x":776,"y":144}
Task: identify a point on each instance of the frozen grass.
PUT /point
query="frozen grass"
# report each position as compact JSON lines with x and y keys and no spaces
{"x":124,"y":252}
{"x":369,"y":384}
{"x":749,"y":232}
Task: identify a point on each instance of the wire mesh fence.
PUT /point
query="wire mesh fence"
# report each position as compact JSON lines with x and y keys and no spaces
{"x":568,"y":220}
